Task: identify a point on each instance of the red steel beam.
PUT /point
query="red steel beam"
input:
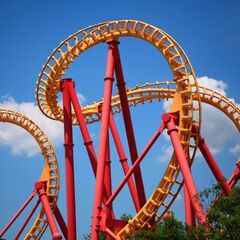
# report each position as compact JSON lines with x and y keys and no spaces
{"x":128,"y":126}
{"x":111,"y":234}
{"x":103,"y":142}
{"x":17,"y":214}
{"x":40,"y":188}
{"x":85,"y":133}
{"x":61,"y":222}
{"x":27,"y":220}
{"x":83,"y":128}
{"x":108,"y":184}
{"x":69,"y":163}
{"x":185,"y":169}
{"x":135,"y":165}
{"x":235,"y":176}
{"x":212,"y":163}
{"x":108,"y":178}
{"x":189,"y":211}
{"x":124,"y":163}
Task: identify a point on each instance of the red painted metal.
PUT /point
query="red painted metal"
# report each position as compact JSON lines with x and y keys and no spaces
{"x":128,"y":126}
{"x":108,"y":176}
{"x":124,"y":163}
{"x":135,"y":165}
{"x":119,"y":223}
{"x":189,"y":210}
{"x":69,"y":163}
{"x":185,"y":169}
{"x":61,"y":222}
{"x":108,"y":181}
{"x":83,"y":127}
{"x":166,"y":215}
{"x":103,"y":142}
{"x":111,"y":234}
{"x":212,"y":163}
{"x":40,"y":188}
{"x":85,"y":133}
{"x":235,"y":176}
{"x":27,"y":220}
{"x":8,"y":225}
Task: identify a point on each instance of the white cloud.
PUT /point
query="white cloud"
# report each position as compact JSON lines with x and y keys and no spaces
{"x":21,"y":142}
{"x":82,"y":99}
{"x":213,"y":84}
{"x":167,"y":104}
{"x":217,"y":129}
{"x":167,"y":153}
{"x":235,"y":149}
{"x":179,"y":197}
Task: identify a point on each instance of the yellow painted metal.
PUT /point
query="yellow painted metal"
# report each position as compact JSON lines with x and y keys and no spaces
{"x":163,"y":197}
{"x":48,"y":86}
{"x":50,"y":171}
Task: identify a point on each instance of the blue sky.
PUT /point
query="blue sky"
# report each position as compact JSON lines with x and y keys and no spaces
{"x":209,"y":33}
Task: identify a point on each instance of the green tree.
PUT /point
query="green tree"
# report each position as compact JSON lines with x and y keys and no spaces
{"x":223,"y":218}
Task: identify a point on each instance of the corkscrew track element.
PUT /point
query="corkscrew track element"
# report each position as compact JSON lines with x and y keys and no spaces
{"x":50,"y":173}
{"x":48,"y":84}
{"x":184,"y":117}
{"x":148,"y":93}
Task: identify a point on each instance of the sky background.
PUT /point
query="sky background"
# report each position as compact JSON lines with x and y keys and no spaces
{"x":208,"y":31}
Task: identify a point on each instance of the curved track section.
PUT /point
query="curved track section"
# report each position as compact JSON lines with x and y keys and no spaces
{"x":163,"y":197}
{"x":50,"y":172}
{"x":48,"y":87}
{"x":149,"y":92}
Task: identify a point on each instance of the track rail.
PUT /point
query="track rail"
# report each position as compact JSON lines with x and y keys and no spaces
{"x":50,"y":171}
{"x":149,"y":92}
{"x":48,"y":87}
{"x":162,"y":198}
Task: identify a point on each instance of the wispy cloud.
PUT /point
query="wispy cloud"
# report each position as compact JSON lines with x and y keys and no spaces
{"x":21,"y":142}
{"x":166,"y":153}
{"x":235,"y":149}
{"x":217,"y":129}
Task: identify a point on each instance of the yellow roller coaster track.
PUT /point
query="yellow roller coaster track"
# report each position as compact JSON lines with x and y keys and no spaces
{"x":163,"y":197}
{"x":52,"y":72}
{"x":50,"y":171}
{"x":184,"y":92}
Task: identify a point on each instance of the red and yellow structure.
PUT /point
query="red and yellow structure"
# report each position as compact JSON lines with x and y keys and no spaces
{"x":182,"y":123}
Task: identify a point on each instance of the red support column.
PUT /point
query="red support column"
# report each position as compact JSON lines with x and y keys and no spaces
{"x":212,"y":163}
{"x":111,"y":234}
{"x":103,"y":142}
{"x":27,"y":220}
{"x":235,"y":176}
{"x":189,"y":210}
{"x":61,"y":222}
{"x":108,"y":181}
{"x":108,"y":170}
{"x":83,"y":128}
{"x":85,"y":133}
{"x":17,"y":214}
{"x":124,"y":163}
{"x":128,"y":126}
{"x":69,"y":163}
{"x":187,"y":176}
{"x":135,"y":165}
{"x":40,"y":188}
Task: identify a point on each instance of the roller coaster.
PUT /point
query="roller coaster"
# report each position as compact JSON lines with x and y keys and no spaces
{"x":182,"y":123}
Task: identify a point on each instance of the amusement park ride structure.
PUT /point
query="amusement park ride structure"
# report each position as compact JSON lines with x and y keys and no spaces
{"x":182,"y":122}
